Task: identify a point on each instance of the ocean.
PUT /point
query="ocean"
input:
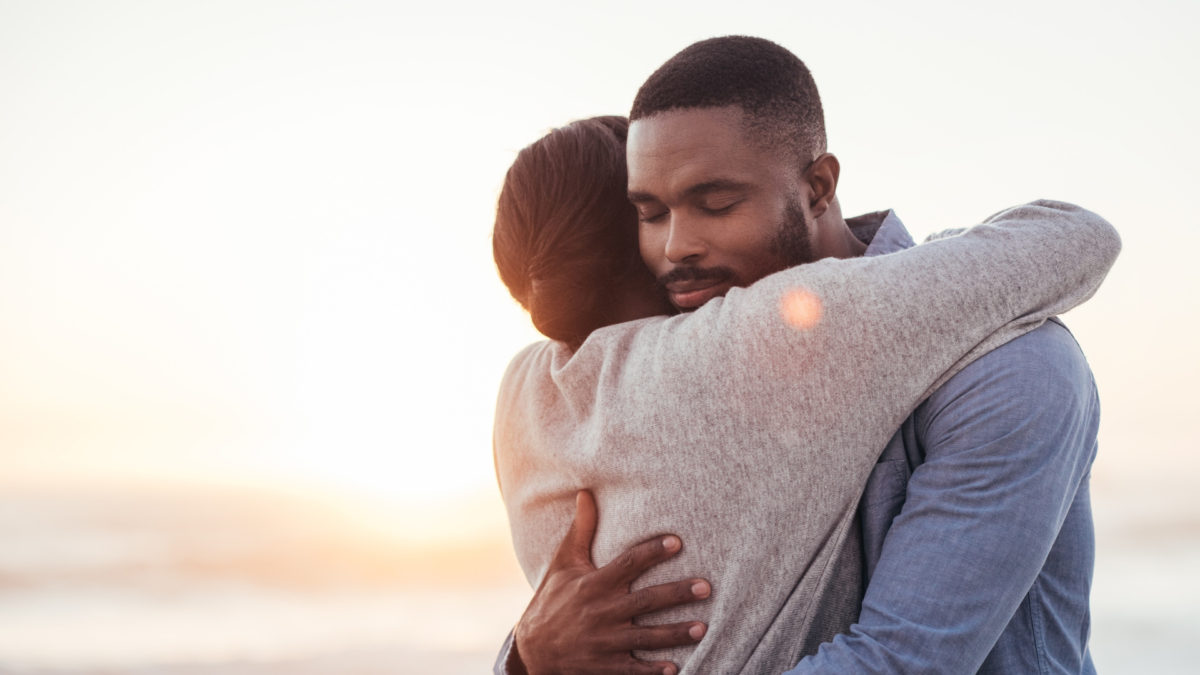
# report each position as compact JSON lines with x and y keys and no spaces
{"x":231,"y":583}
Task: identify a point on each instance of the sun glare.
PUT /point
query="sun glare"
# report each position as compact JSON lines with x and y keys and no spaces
{"x":800,"y":308}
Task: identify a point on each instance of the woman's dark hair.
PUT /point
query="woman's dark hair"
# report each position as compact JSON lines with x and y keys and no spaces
{"x":565,"y":233}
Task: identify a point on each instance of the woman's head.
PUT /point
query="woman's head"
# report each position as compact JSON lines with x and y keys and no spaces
{"x":565,"y":238}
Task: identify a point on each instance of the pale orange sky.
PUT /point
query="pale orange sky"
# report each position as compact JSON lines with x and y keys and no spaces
{"x":249,"y":243}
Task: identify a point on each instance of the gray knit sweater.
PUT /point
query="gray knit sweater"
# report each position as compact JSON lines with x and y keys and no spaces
{"x":750,"y":436}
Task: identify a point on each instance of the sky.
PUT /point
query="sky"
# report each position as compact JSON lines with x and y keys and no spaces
{"x":247,"y":243}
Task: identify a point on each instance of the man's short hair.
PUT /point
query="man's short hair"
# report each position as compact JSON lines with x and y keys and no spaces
{"x":771,"y":85}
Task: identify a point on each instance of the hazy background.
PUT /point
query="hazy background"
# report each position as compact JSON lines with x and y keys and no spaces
{"x":251,"y":332}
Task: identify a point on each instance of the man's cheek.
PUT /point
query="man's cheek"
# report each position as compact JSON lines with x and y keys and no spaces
{"x":647,"y":246}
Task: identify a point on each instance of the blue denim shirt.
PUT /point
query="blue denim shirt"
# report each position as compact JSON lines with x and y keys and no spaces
{"x":976,"y":522}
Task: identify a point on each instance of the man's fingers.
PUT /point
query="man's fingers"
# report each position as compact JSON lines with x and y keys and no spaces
{"x":628,"y":665}
{"x":636,"y":667}
{"x":662,"y":637}
{"x":576,"y":547}
{"x":583,"y":528}
{"x":634,"y":562}
{"x":663,"y":596}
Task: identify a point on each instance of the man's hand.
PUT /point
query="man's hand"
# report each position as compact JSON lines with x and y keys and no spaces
{"x":580,"y":620}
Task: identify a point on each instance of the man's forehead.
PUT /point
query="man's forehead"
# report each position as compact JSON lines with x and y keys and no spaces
{"x":674,"y":153}
{"x":695,"y":138}
{"x":691,"y":126}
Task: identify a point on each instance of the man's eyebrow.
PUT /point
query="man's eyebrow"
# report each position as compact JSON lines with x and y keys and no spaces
{"x":716,"y":185}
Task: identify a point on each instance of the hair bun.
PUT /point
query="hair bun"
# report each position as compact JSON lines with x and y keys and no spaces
{"x":565,"y":230}
{"x":566,"y":307}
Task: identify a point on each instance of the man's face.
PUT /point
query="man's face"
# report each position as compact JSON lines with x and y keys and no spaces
{"x":715,"y":209}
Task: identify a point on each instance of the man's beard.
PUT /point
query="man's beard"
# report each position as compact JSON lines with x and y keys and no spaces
{"x":791,"y":243}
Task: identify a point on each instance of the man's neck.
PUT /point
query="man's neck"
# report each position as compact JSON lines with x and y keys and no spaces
{"x":833,"y":237}
{"x":848,"y":245}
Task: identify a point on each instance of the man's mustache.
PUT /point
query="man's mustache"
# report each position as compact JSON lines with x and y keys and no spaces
{"x":687,"y":273}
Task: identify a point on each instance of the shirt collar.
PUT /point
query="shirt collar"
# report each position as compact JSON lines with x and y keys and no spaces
{"x":882,"y":231}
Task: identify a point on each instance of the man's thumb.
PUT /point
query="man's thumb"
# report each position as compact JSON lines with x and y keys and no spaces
{"x":577,"y":546}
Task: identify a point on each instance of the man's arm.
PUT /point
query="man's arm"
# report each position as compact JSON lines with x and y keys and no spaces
{"x":1007,"y":443}
{"x":580,"y":620}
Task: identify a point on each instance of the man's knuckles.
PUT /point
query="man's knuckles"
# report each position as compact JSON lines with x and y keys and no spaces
{"x":644,"y":601}
{"x":633,"y":562}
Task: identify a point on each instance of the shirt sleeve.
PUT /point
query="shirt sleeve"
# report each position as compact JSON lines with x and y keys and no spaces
{"x":1007,"y":443}
{"x":500,"y":667}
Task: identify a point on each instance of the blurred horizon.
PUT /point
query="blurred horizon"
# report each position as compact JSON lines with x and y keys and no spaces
{"x":170,"y":578}
{"x":219,"y":580}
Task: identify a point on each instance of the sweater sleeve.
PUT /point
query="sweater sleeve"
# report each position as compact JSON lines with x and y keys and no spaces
{"x":901,"y":323}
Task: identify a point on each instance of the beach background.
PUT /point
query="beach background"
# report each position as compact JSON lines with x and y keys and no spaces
{"x":251,"y":333}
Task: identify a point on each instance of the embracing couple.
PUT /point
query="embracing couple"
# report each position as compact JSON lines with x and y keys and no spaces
{"x":791,"y":441}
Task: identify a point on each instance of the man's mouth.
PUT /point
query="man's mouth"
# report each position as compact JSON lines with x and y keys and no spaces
{"x":689,"y":287}
{"x":687,"y":295}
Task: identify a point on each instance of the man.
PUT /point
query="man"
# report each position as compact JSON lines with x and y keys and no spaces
{"x":987,"y":562}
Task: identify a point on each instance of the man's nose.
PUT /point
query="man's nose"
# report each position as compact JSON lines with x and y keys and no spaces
{"x":684,"y":243}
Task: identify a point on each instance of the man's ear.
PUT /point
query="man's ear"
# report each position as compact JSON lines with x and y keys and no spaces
{"x":822,"y":178}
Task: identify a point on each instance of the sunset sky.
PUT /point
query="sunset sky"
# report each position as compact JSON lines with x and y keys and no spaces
{"x":248,"y":243}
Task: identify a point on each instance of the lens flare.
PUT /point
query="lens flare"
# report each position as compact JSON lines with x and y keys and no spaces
{"x":801,"y":309}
